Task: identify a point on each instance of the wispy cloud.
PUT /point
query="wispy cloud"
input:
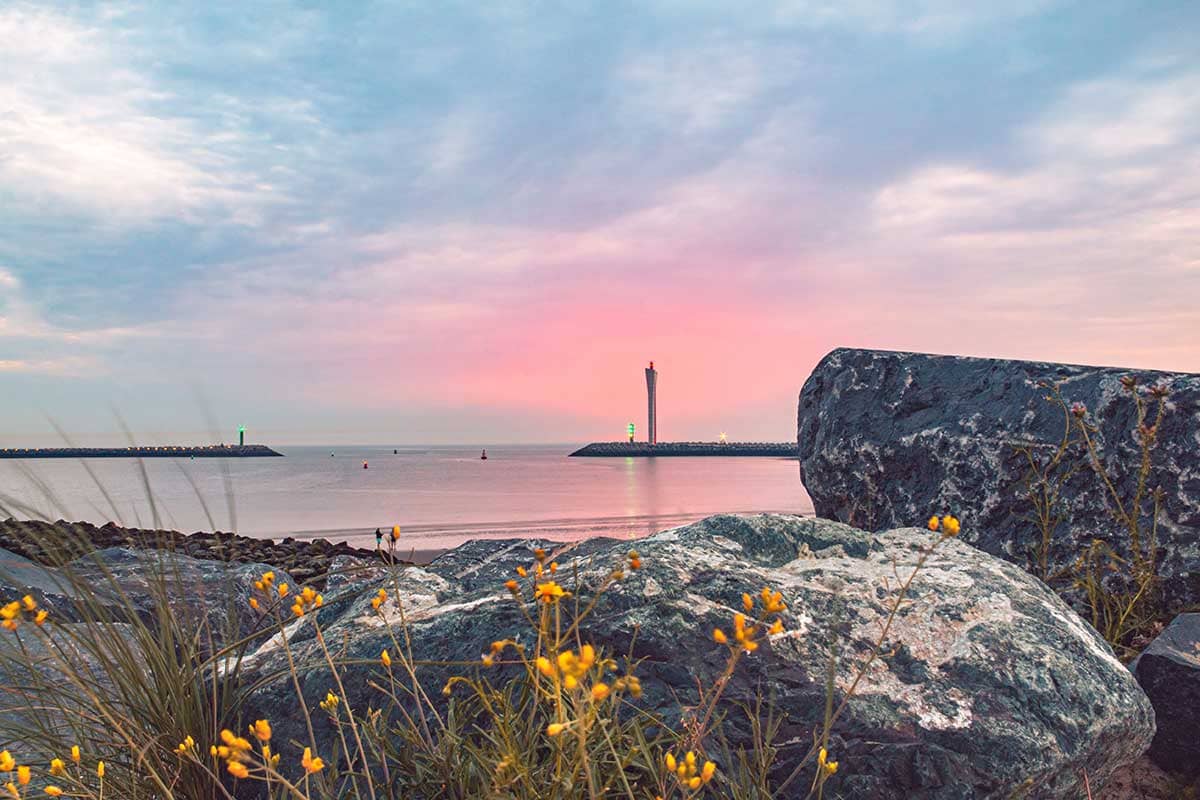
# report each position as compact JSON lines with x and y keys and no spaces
{"x":86,"y":128}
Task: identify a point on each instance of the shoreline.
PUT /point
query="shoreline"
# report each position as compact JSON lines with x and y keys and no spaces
{"x":306,"y":560}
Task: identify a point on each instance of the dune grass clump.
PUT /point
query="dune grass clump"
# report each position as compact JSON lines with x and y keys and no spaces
{"x":105,"y":700}
{"x":1116,"y":577}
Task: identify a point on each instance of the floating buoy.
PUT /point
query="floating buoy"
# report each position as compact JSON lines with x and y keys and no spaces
{"x":364,"y":465}
{"x":483,"y":456}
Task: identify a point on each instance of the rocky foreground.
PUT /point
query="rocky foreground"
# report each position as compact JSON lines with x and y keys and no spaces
{"x":988,"y":686}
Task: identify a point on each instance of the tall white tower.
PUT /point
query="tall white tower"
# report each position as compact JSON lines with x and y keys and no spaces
{"x":651,"y":380}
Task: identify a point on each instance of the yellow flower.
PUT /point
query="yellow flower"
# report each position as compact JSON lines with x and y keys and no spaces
{"x":539,"y":554}
{"x":744,"y":633}
{"x":40,"y":617}
{"x":599,"y":692}
{"x":385,"y":658}
{"x":186,"y":745}
{"x":512,"y":586}
{"x":488,"y":659}
{"x":23,"y":775}
{"x":254,"y":603}
{"x":776,"y":628}
{"x":53,"y":791}
{"x":261,"y":730}
{"x":7,"y":762}
{"x":310,"y":763}
{"x":234,"y":743}
{"x":9,"y":611}
{"x":330,"y":702}
{"x":950,"y":525}
{"x":29,"y":603}
{"x":549,"y":592}
{"x":687,"y":773}
{"x":395,"y":536}
{"x":379,"y":599}
{"x":747,"y":603}
{"x":522,"y":572}
{"x":237,"y":769}
{"x":99,"y":769}
{"x":545,"y":667}
{"x":75,"y":753}
{"x":827,"y":767}
{"x":57,"y":767}
{"x":574,"y":666}
{"x":555,"y":728}
{"x":719,"y":636}
{"x":283,"y":590}
{"x":934,"y":524}
{"x":772,"y":601}
{"x":12,"y":789}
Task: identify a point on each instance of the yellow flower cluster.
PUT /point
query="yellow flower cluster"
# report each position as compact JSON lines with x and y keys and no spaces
{"x":686,"y":771}
{"x":307,"y":600}
{"x":827,"y":767}
{"x":745,"y":633}
{"x":948,"y":524}
{"x":545,"y":590}
{"x":266,"y":585}
{"x":186,"y":746}
{"x":7,"y":765}
{"x":310,"y":762}
{"x":234,"y":751}
{"x":11,"y":614}
{"x":570,"y":666}
{"x":330,"y":703}
{"x":379,"y":599}
{"x":549,"y":592}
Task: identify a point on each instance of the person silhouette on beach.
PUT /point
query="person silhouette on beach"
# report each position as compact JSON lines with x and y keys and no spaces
{"x":378,"y":539}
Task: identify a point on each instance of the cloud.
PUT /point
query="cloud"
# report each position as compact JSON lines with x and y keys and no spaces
{"x":82,"y":125}
{"x":930,"y":20}
{"x":67,"y":366}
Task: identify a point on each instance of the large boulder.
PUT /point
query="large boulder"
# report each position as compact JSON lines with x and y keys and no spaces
{"x":1169,"y":672}
{"x":887,"y":439}
{"x":990,"y":684}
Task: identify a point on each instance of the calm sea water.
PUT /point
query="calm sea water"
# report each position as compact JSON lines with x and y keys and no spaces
{"x":440,"y":496}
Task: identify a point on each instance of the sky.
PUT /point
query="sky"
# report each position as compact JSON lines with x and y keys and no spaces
{"x":476,"y":222}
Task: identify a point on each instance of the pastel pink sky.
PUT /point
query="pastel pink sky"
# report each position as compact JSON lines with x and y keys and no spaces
{"x":479,"y":225}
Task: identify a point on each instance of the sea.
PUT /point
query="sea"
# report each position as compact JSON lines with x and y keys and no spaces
{"x":439,"y":496}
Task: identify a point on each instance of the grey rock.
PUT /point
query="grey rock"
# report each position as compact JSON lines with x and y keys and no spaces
{"x":1169,"y":672}
{"x":119,"y":582}
{"x":887,"y":439}
{"x":993,"y":685}
{"x":210,"y":596}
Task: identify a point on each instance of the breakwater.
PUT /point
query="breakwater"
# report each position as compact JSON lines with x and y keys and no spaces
{"x":165,"y":451}
{"x":619,"y":449}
